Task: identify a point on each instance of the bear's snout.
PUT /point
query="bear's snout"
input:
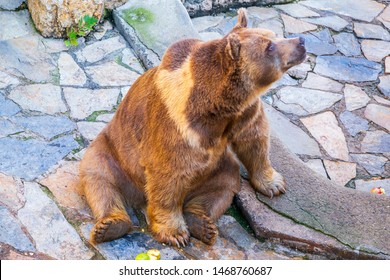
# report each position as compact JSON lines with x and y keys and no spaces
{"x":297,"y":51}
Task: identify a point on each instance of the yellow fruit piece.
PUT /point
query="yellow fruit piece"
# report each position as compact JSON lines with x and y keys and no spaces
{"x":154,"y":254}
{"x":378,"y":190}
{"x":142,"y":257}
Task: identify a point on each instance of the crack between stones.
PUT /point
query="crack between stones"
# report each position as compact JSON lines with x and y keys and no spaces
{"x":327,"y":234}
{"x":307,"y":212}
{"x":295,"y":104}
{"x":138,"y":38}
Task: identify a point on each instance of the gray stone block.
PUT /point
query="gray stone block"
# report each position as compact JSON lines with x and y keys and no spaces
{"x":151,"y":27}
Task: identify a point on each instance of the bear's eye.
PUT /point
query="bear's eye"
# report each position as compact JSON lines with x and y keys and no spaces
{"x":271,"y":47}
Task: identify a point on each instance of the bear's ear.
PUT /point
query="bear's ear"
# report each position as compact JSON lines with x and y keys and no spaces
{"x":233,"y":46}
{"x":242,"y":18}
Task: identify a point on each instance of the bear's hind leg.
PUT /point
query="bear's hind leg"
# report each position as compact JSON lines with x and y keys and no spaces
{"x":210,"y":201}
{"x":112,"y":220}
{"x":101,"y":181}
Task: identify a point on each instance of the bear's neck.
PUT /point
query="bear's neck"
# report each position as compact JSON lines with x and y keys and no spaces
{"x":219,"y":94}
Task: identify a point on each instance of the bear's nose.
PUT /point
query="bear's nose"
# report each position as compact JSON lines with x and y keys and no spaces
{"x":302,"y":41}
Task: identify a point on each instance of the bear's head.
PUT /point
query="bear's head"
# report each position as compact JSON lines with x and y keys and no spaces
{"x":259,"y":55}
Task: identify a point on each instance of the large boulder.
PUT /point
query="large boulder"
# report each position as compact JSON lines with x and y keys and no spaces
{"x":53,"y":17}
{"x":112,"y":4}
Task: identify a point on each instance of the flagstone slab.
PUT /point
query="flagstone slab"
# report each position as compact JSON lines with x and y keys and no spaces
{"x":353,"y":123}
{"x":11,"y":192}
{"x":83,"y":102}
{"x":64,"y":184}
{"x":375,"y":165}
{"x":274,"y":25}
{"x":384,"y":85}
{"x":262,"y":13}
{"x":303,"y":101}
{"x":7,"y":107}
{"x":346,"y":69}
{"x":45,"y":98}
{"x":375,"y":50}
{"x":347,"y":44}
{"x":7,"y":80}
{"x":381,"y":100}
{"x":129,"y":246}
{"x":376,"y":142}
{"x":296,"y":10}
{"x":355,"y":97}
{"x":15,"y":24}
{"x":70,"y":71}
{"x":384,"y":17}
{"x":10,"y":5}
{"x":299,"y":71}
{"x":317,"y":166}
{"x":52,"y":233}
{"x":291,"y":135}
{"x":365,"y":10}
{"x":202,"y":24}
{"x":378,"y":114}
{"x":318,"y":43}
{"x":315,"y":81}
{"x":46,"y":126}
{"x":25,"y":57}
{"x":340,"y":172}
{"x":334,"y":22}
{"x":131,"y":61}
{"x":387,"y":65}
{"x":11,"y":232}
{"x":30,"y":158}
{"x":370,"y":31}
{"x":325,"y":129}
{"x":368,"y":185}
{"x":89,"y":130}
{"x":122,"y":75}
{"x":8,"y":128}
{"x":292,"y":25}
{"x":100,"y":49}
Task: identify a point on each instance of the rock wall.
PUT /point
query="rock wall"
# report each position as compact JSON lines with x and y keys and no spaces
{"x":204,"y":7}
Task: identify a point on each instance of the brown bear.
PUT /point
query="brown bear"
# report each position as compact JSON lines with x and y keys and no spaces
{"x":176,"y":140}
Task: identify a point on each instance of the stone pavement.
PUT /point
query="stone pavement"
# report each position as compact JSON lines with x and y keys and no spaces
{"x":332,"y":111}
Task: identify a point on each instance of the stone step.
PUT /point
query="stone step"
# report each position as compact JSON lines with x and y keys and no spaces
{"x":316,"y":216}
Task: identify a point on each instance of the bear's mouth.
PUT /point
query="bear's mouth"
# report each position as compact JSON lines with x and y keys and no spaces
{"x":297,"y":59}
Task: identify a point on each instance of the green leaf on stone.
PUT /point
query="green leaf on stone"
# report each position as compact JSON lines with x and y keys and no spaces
{"x":84,"y":25}
{"x":74,"y":42}
{"x":89,"y":21}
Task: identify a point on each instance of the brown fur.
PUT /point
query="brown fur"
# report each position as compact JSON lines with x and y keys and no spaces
{"x":174,"y":144}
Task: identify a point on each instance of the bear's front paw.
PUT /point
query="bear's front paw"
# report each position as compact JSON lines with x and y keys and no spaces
{"x":270,"y":185}
{"x":178,"y":238}
{"x":172,"y":233}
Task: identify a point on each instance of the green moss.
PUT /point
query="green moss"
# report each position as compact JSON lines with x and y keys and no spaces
{"x":94,"y":115}
{"x":140,"y":19}
{"x":26,"y":138}
{"x":236,"y":214}
{"x":137,"y":16}
{"x":47,"y":191}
